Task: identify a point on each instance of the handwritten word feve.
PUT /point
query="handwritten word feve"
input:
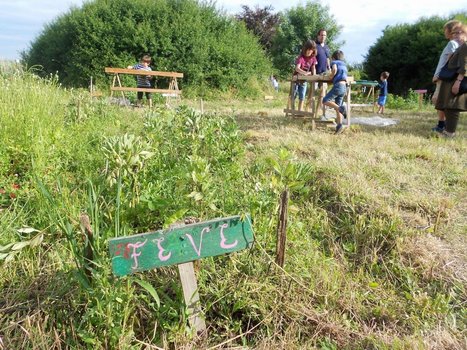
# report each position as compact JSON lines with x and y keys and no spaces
{"x":134,"y":250}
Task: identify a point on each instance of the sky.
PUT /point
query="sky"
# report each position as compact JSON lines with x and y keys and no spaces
{"x":363,"y":21}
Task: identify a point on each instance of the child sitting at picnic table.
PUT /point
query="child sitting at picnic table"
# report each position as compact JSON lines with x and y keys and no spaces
{"x":336,"y":95}
{"x":305,"y":64}
{"x":143,"y":81}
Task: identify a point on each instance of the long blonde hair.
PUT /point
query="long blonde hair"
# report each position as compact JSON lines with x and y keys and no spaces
{"x":452,"y":25}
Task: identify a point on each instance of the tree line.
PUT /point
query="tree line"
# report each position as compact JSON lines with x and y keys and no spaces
{"x":217,"y":51}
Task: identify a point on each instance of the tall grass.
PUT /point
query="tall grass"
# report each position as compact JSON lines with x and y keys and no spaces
{"x":374,"y":242}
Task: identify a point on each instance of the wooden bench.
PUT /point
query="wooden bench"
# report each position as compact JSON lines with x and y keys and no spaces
{"x":420,"y":93}
{"x":171,"y":92}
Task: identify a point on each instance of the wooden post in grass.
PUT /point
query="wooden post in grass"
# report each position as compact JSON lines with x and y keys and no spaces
{"x":187,"y":275}
{"x":191,"y":296}
{"x":88,"y":253}
{"x":420,"y":97}
{"x":181,"y":245}
{"x":282,"y":228}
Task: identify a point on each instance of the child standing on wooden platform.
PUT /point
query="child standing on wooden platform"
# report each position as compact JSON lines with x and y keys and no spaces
{"x":143,"y":81}
{"x":305,"y":64}
{"x":335,"y":96}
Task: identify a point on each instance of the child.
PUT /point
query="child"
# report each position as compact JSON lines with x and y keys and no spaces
{"x":143,"y":81}
{"x":275,"y":83}
{"x":304,"y":65}
{"x":450,"y":29}
{"x":336,"y":95}
{"x":383,"y":91}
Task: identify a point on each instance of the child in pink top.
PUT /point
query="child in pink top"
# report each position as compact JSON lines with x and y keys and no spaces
{"x":305,"y":64}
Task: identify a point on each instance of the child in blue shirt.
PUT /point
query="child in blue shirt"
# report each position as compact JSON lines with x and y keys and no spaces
{"x":383,"y":91}
{"x":336,"y":95}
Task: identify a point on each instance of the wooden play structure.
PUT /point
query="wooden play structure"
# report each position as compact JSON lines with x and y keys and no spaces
{"x":313,"y":103}
{"x":367,"y":90}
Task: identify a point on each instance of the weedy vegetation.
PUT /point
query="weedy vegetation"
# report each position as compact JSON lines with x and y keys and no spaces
{"x":375,"y":255}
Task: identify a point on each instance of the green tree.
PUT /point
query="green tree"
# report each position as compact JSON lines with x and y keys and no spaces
{"x":410,"y":52}
{"x":297,"y":25}
{"x":210,"y":48}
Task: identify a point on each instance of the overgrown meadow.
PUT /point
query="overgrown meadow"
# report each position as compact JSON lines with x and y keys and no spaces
{"x":375,"y":253}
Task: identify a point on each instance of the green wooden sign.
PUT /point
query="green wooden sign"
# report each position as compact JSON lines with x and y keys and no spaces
{"x":147,"y":251}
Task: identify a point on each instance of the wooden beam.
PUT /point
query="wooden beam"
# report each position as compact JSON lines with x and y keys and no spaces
{"x":162,"y":91}
{"x":111,"y":70}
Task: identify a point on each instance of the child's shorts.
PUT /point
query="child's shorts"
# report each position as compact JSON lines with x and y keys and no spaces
{"x":300,"y":90}
{"x":336,"y":94}
{"x":140,"y":93}
{"x":382,"y":100}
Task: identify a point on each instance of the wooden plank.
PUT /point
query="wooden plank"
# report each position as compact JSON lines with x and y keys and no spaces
{"x":190,"y":291}
{"x":361,"y":105}
{"x":111,"y":70}
{"x":175,"y":246}
{"x":318,"y":78}
{"x":348,"y":93}
{"x":296,"y":112}
{"x":191,"y":296}
{"x":365,"y":83}
{"x":162,"y":91}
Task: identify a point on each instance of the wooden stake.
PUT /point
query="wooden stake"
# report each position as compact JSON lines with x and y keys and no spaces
{"x":282,"y":228}
{"x":88,"y":253}
{"x":191,"y":296}
{"x":190,"y":292}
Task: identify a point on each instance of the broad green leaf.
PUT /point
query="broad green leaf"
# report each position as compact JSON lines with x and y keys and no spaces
{"x":197,"y":196}
{"x":20,"y":245}
{"x":150,"y":289}
{"x":4,"y":248}
{"x":36,"y":241}
{"x":10,"y":257}
{"x":27,"y":230}
{"x":175,"y":217}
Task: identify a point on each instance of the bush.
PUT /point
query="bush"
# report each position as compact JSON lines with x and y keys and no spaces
{"x":211,"y":49}
{"x":397,"y":102}
{"x":410,"y":52}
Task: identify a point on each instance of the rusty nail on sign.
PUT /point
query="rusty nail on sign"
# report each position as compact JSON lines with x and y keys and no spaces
{"x":147,"y":251}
